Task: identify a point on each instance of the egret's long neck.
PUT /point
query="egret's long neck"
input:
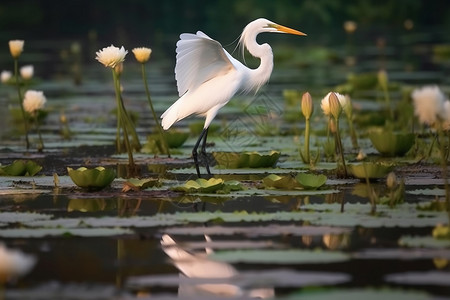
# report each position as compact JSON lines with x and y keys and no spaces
{"x":259,"y":76}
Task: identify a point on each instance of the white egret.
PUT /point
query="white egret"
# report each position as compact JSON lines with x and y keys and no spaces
{"x":208,"y":76}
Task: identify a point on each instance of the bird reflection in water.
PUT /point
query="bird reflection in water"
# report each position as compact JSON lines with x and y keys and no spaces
{"x":199,"y":266}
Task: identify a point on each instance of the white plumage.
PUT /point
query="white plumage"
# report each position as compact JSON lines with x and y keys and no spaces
{"x":208,"y":76}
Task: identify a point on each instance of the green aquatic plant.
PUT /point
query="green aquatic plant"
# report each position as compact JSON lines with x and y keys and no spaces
{"x":307,"y":109}
{"x":208,"y":186}
{"x":396,"y":191}
{"x":142,"y":55}
{"x":34,"y":102}
{"x":383,"y":83}
{"x":390,"y":143}
{"x":311,"y":181}
{"x":16,"y":48}
{"x":113,"y":58}
{"x":20,"y":168}
{"x":305,"y":181}
{"x":174,"y":139}
{"x":136,"y":184}
{"x":234,"y":160}
{"x":335,"y":111}
{"x":370,"y":170}
{"x":92,"y":179}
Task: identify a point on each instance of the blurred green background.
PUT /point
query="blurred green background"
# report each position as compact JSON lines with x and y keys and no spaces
{"x":156,"y":23}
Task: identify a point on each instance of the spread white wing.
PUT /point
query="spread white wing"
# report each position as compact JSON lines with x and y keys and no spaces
{"x":199,"y":59}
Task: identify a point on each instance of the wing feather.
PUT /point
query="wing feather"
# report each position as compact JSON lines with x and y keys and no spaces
{"x":199,"y":59}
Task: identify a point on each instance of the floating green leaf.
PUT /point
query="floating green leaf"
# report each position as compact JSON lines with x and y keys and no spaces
{"x":311,"y":181}
{"x":20,"y":168}
{"x":357,"y":294}
{"x":280,"y":256}
{"x":140,"y":184}
{"x":39,"y":233}
{"x":369,"y":170}
{"x":423,"y":242}
{"x":92,"y":179}
{"x":236,"y":160}
{"x":391,"y":143}
{"x":280,"y":182}
{"x":442,"y":232}
{"x":201,"y":185}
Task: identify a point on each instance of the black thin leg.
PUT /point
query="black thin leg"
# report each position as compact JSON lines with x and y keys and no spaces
{"x":203,"y":151}
{"x":194,"y":151}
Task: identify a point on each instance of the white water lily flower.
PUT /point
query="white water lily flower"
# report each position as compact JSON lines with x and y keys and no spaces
{"x":142,"y":54}
{"x":16,"y":47}
{"x":111,"y":56}
{"x":5,"y":76}
{"x":446,"y":123}
{"x":325,"y":104}
{"x":428,"y":104}
{"x":27,"y":72}
{"x":14,"y":263}
{"x":33,"y":101}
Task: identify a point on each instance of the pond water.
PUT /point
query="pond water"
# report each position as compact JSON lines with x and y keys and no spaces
{"x":158,"y":243}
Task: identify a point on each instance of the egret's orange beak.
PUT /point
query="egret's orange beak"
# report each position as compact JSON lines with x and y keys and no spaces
{"x":288,"y":30}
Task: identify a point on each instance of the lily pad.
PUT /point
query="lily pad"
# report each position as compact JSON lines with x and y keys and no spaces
{"x":234,"y":160}
{"x":370,"y":170}
{"x":280,"y":256}
{"x":390,"y":143}
{"x":20,"y":168}
{"x":201,"y":185}
{"x":441,"y":232}
{"x":175,"y":138}
{"x":280,"y":182}
{"x":39,"y":233}
{"x":357,"y":294}
{"x":92,"y":179}
{"x":311,"y":181}
{"x":140,"y":184}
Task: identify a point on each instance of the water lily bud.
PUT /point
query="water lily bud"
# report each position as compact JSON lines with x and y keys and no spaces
{"x":391,"y":180}
{"x":335,"y":106}
{"x":383,"y":79}
{"x":142,"y":54}
{"x":26,"y":72}
{"x":325,"y":104}
{"x":16,"y":48}
{"x":307,"y":105}
{"x":350,"y":26}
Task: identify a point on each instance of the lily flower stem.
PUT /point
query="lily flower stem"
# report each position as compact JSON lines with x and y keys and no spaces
{"x":41,"y":142}
{"x":122,"y":120}
{"x":341,"y":150}
{"x":307,"y":125}
{"x":160,"y":131}
{"x":352,"y":132}
{"x":19,"y":94}
{"x":444,"y":166}
{"x":388,"y":102}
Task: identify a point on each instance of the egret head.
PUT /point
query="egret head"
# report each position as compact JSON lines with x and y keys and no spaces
{"x":264,"y":25}
{"x":261,"y":25}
